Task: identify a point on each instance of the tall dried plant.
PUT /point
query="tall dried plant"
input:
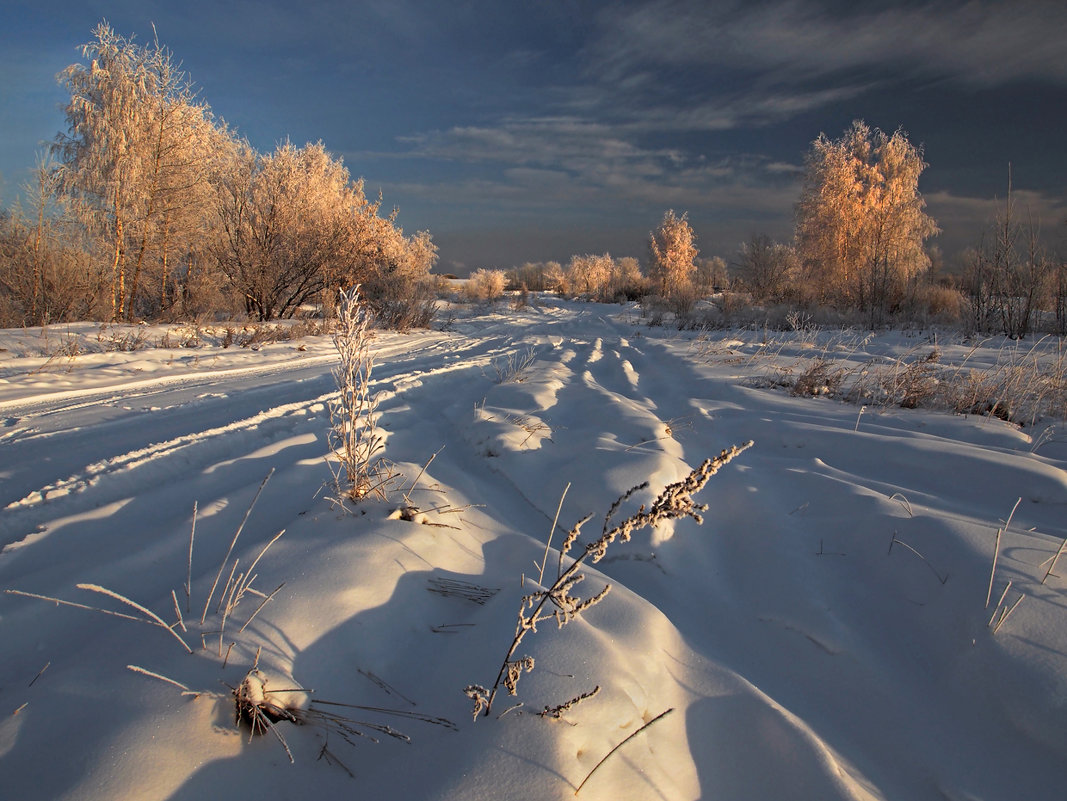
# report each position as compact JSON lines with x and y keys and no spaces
{"x":673,"y":503}
{"x":353,"y":436}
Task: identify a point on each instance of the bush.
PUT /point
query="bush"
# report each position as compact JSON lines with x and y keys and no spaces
{"x":404,"y":305}
{"x":486,"y":285}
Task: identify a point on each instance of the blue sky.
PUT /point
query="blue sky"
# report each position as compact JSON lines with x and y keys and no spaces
{"x":519,"y":131}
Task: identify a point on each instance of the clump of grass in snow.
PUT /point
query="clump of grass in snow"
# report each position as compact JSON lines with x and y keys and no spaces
{"x":238,"y":586}
{"x":821,"y":377}
{"x":673,"y":503}
{"x":514,"y":367}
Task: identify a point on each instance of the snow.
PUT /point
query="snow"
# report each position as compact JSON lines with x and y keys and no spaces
{"x":824,"y":634}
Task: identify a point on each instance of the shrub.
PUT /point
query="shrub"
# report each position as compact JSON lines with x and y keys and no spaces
{"x":486,"y":285}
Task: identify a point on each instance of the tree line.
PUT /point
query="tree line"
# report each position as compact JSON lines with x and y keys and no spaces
{"x":860,"y":244}
{"x":149,"y":207}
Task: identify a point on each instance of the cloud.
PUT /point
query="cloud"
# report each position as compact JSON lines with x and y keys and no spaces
{"x":791,"y":41}
{"x":1046,"y":211}
{"x":572,"y":162}
{"x":564,"y":179}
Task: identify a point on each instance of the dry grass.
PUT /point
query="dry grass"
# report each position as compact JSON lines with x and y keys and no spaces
{"x":674,"y":502}
{"x":514,"y":367}
{"x":1020,"y":384}
{"x":821,"y":377}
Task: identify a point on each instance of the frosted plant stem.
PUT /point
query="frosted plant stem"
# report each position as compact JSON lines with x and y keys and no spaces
{"x":1007,"y":614}
{"x":993,"y":570}
{"x":189,"y":569}
{"x":246,"y":584}
{"x":1056,"y":558}
{"x":996,"y":552}
{"x":178,"y":611}
{"x":1003,"y":595}
{"x":425,"y":467}
{"x":153,"y":617}
{"x":262,"y":604}
{"x":551,"y":532}
{"x":227,"y":588}
{"x":233,"y":542}
{"x":61,"y":602}
{"x":161,"y":677}
{"x":658,"y":717}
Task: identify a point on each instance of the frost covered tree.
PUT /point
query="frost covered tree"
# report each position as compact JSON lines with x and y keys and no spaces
{"x":860,"y":221}
{"x":710,"y":275}
{"x":671,"y":251}
{"x":486,"y":285}
{"x":134,"y":156}
{"x":294,"y":226}
{"x":46,"y":274}
{"x":589,"y":275}
{"x":180,"y":217}
{"x":626,"y":279}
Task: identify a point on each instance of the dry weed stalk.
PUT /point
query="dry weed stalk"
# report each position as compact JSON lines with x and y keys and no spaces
{"x":604,"y":759}
{"x":996,"y":553}
{"x":556,"y":712}
{"x":895,"y":541}
{"x":353,"y":435}
{"x":673,"y":503}
{"x":1054,"y":559}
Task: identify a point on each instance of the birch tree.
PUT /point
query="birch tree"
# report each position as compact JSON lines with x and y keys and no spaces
{"x":672,"y":252}
{"x":133,"y":155}
{"x":861,"y":222}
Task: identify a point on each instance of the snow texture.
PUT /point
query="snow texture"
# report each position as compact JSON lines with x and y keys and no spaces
{"x":823,"y":635}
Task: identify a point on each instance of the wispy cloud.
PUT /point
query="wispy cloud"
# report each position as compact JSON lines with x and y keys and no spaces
{"x":953,"y":210}
{"x":791,"y":41}
{"x":559,"y":166}
{"x":575,"y":157}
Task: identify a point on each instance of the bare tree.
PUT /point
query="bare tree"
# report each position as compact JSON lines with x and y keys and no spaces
{"x":1007,"y":274}
{"x":1059,"y":296}
{"x":671,"y":251}
{"x":767,"y":268}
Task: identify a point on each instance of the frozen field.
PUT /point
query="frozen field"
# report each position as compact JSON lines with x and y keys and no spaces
{"x":824,"y":634}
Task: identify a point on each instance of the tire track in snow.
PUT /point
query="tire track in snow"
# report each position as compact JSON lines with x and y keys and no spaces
{"x":117,"y":475}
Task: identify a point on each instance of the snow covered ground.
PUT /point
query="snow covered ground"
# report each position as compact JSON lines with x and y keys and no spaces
{"x":824,"y":634}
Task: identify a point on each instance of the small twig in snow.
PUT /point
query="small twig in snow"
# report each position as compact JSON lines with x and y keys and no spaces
{"x":658,"y":717}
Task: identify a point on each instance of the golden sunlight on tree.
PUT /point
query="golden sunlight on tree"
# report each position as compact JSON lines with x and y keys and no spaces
{"x":671,"y":251}
{"x":136,"y":161}
{"x":168,"y":214}
{"x":860,"y":220}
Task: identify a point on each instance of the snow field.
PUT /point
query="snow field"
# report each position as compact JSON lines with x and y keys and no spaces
{"x":822,"y":635}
